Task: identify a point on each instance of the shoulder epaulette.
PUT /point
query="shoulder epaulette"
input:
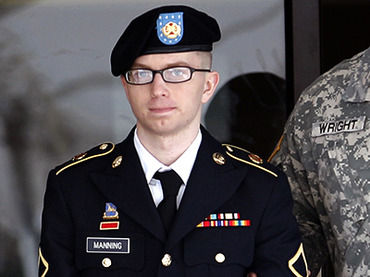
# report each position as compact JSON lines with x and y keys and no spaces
{"x":246,"y":157}
{"x":98,"y":151}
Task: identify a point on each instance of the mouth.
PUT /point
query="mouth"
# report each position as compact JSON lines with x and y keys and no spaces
{"x":161,"y":110}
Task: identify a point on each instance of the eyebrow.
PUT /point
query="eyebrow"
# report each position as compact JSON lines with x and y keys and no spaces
{"x":175,"y":64}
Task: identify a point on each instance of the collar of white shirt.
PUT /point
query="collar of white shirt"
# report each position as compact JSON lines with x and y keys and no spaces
{"x":182,"y":166}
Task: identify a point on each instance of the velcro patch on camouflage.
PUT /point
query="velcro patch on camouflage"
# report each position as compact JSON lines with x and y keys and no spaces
{"x":338,"y":126}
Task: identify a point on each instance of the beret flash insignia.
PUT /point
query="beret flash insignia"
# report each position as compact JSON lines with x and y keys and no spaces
{"x":170,"y":28}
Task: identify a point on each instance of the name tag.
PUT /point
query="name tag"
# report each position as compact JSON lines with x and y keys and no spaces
{"x":339,"y":126}
{"x":108,"y":245}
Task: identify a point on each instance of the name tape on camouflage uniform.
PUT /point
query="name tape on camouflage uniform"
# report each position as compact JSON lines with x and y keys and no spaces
{"x":108,"y":245}
{"x":339,"y":126}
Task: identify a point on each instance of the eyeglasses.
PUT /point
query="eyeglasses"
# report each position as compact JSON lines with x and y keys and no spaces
{"x":178,"y":74}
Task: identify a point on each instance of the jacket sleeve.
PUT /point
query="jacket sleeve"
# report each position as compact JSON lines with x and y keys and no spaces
{"x":56,"y":254}
{"x":279,"y":251}
{"x":295,"y":159}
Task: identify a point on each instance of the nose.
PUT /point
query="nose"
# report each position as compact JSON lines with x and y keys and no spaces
{"x":159,"y":87}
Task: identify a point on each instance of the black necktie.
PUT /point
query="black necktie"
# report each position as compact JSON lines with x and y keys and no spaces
{"x":171,"y":183}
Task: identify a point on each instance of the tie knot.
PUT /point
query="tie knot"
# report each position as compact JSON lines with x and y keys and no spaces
{"x":170,"y":182}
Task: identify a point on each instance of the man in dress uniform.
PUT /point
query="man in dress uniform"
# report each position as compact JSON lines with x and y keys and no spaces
{"x":169,"y":200}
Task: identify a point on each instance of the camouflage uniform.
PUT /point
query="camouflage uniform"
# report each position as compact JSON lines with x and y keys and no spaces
{"x":325,"y":152}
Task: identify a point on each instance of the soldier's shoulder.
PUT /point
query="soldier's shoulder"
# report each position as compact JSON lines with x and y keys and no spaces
{"x":94,"y":153}
{"x":248,"y":158}
{"x":336,"y":79}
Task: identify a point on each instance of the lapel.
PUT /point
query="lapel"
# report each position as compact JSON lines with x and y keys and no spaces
{"x":126,"y":187}
{"x":209,"y":186}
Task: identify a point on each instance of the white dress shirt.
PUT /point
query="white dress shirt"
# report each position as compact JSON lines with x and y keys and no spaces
{"x":182,"y":166}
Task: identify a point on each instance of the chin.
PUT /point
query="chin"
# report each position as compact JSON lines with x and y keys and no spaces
{"x":166,"y":129}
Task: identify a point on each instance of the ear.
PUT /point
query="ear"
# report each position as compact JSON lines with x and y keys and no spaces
{"x":210,"y":85}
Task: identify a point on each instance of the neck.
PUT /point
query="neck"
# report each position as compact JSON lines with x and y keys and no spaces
{"x":167,"y":148}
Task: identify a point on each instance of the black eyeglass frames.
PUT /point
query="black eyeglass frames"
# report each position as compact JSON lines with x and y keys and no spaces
{"x":177,"y":74}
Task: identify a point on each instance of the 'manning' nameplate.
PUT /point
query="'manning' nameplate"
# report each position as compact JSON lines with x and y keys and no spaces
{"x":108,"y":245}
{"x":338,"y":126}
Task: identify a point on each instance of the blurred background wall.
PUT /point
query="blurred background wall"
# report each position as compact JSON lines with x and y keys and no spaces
{"x":58,"y":97}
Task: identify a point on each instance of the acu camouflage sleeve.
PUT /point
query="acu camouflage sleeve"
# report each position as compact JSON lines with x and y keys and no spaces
{"x":294,"y":157}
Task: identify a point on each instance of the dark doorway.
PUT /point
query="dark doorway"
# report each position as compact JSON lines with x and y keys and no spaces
{"x":249,"y":111}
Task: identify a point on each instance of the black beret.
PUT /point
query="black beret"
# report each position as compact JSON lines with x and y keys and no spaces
{"x":166,"y":29}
